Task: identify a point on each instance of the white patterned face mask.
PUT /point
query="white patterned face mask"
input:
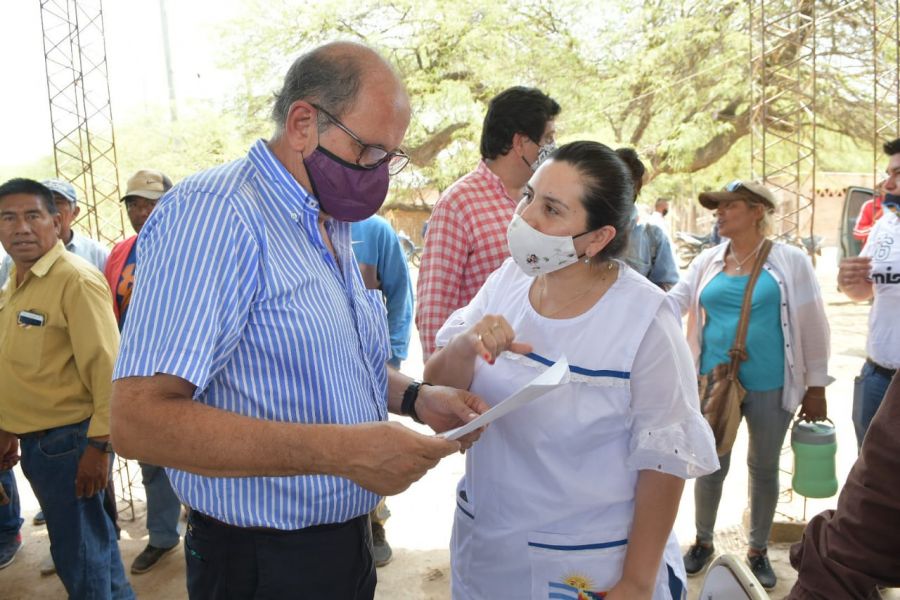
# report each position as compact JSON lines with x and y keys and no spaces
{"x":537,"y":253}
{"x":544,"y":152}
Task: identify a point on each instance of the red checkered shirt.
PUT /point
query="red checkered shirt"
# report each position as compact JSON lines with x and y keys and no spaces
{"x":466,"y":242}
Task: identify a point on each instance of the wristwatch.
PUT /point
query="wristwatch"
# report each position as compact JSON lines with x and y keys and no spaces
{"x":102,"y":446}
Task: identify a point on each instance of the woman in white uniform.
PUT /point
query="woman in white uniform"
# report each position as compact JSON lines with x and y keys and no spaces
{"x":574,"y":495}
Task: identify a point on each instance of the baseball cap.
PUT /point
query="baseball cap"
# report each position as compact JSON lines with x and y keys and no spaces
{"x":147,"y":183}
{"x":63,"y":188}
{"x":739,"y":190}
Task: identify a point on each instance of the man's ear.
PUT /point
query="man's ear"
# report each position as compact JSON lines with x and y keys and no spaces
{"x":301,"y":130}
{"x":75,"y":211}
{"x":518,"y":143}
{"x":57,"y":223}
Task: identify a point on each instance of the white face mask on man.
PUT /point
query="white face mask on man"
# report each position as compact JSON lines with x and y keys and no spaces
{"x":538,"y":253}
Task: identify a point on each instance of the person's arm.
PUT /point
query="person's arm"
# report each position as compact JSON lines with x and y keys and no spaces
{"x":9,"y":450}
{"x":156,"y":420}
{"x":853,"y":277}
{"x":681,"y":294}
{"x":397,"y":287}
{"x":809,"y":308}
{"x":655,"y":506}
{"x":440,"y":274}
{"x":864,"y":221}
{"x":663,"y":271}
{"x":95,"y":342}
{"x":670,"y":441}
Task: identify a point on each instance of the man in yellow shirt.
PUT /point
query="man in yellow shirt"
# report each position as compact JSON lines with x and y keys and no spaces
{"x":58,"y":343}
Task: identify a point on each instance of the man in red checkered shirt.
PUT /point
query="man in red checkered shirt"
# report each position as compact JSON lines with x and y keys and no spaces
{"x":466,"y":239}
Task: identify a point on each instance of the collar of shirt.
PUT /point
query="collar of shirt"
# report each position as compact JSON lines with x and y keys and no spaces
{"x":74,"y":243}
{"x":302,"y":206}
{"x":493,"y":180}
{"x":42,"y":266}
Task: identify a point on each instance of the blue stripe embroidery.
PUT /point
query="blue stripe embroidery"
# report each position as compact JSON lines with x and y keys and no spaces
{"x":237,"y":293}
{"x":464,"y":511}
{"x":567,"y":592}
{"x":581,"y":370}
{"x":579,"y":547}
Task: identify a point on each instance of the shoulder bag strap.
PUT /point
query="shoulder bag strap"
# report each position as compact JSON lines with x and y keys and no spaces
{"x":738,"y":352}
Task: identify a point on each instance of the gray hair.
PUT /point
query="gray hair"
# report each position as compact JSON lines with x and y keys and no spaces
{"x":330,"y":76}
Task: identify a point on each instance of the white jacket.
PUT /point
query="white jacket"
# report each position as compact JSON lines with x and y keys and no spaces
{"x":807,"y":337}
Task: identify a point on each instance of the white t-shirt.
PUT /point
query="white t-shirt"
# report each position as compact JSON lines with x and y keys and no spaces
{"x":883,"y":246}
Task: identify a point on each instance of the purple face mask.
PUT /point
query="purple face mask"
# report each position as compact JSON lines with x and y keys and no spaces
{"x":346,"y":191}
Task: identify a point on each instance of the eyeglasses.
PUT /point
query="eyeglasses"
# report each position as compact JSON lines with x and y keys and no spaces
{"x":370,"y":155}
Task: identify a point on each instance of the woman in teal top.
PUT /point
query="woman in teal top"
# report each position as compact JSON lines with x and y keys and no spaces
{"x":787,"y":354}
{"x":721,"y":299}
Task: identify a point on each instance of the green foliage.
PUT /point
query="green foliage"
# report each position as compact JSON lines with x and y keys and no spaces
{"x":669,"y":77}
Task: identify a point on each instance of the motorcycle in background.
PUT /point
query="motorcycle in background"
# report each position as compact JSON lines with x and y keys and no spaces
{"x":413,"y":253}
{"x":689,"y":245}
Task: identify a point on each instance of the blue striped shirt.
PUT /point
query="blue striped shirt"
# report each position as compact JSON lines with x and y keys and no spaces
{"x":237,"y":293}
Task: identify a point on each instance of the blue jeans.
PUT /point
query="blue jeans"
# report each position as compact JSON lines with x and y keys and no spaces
{"x":163,"y":507}
{"x":82,"y":538}
{"x":10,"y":515}
{"x":868,"y":391}
{"x":768,"y":423}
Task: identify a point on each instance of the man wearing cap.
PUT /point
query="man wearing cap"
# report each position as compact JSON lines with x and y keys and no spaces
{"x":66,"y":199}
{"x":254,"y":361}
{"x":784,"y":363}
{"x":875,"y":273}
{"x":58,"y":342}
{"x":142,"y":192}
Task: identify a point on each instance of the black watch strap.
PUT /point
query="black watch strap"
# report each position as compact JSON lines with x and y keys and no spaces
{"x":408,"y":406}
{"x":102,"y":446}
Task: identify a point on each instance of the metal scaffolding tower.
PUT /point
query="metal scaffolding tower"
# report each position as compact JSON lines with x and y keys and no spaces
{"x":84,"y":146}
{"x":783,"y":96}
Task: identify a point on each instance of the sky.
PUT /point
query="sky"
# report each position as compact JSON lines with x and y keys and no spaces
{"x":135,"y":62}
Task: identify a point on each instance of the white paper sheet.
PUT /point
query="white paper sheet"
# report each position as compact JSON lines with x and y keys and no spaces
{"x":549,"y":380}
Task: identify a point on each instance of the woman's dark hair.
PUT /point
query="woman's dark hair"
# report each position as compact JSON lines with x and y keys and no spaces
{"x":630,"y":157}
{"x":608,"y":190}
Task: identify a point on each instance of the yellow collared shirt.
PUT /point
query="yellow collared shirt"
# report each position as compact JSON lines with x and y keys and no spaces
{"x":59,"y":372}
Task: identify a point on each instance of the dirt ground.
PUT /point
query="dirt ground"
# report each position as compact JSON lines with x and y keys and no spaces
{"x":419,"y":529}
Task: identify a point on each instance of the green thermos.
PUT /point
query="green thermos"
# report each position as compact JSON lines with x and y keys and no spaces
{"x":815,"y":446}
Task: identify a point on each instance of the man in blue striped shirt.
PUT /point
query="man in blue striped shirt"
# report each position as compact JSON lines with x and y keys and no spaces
{"x":253,"y":361}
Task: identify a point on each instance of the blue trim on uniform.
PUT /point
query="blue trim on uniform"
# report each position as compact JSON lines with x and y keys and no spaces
{"x":568,"y":592}
{"x":581,"y":370}
{"x":465,"y":512}
{"x":597,"y":546}
{"x":676,"y":586}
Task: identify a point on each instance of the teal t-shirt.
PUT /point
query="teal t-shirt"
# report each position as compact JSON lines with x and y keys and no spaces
{"x":721,"y":299}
